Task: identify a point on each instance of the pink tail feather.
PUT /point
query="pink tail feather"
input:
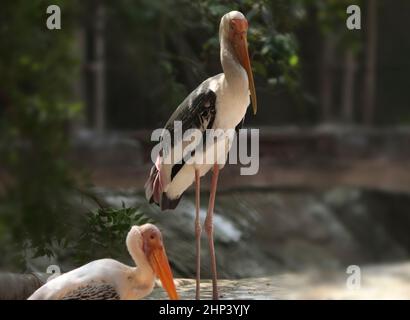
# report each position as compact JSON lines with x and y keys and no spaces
{"x":154,"y":189}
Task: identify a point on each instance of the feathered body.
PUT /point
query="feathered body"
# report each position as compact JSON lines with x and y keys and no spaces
{"x":108,"y":279}
{"x":99,"y":280}
{"x":220,"y":102}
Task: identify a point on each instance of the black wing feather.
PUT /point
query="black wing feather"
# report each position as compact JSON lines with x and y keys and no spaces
{"x":197,"y":111}
{"x":93,"y":291}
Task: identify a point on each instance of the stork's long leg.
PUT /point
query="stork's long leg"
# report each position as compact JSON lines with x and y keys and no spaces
{"x":209,"y":230}
{"x":197,"y":235}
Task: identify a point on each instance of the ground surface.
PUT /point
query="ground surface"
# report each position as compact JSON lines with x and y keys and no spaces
{"x":384,"y":281}
{"x":322,"y":200}
{"x":390,"y":281}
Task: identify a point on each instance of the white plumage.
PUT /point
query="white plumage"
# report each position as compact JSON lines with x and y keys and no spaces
{"x":110,"y":279}
{"x":220,"y":104}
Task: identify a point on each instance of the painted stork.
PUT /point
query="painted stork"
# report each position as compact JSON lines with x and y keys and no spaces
{"x":220,"y":102}
{"x":108,"y":279}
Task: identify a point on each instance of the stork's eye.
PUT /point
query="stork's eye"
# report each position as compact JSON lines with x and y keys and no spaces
{"x":152,"y":237}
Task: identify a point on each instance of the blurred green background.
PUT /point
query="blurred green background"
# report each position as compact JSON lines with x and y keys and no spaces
{"x":119,"y":69}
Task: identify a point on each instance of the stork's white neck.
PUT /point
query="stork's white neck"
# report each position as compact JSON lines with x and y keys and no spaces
{"x":235,"y":74}
{"x":143,"y":270}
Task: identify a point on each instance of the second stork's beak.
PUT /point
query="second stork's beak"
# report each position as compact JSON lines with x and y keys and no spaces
{"x":159,"y":262}
{"x":240,"y":43}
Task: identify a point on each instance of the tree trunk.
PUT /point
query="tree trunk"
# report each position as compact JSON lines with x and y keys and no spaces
{"x":326,"y":79}
{"x":79,"y":83}
{"x":348,"y":86}
{"x":99,"y":69}
{"x":370,"y":63}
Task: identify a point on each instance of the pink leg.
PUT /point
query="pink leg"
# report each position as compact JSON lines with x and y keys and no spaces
{"x":210,"y":232}
{"x":197,"y":235}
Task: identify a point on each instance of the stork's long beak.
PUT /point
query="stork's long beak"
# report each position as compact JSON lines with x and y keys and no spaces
{"x":159,"y":262}
{"x":241,"y":47}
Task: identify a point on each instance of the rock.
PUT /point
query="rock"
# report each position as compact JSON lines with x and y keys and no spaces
{"x":388,"y":281}
{"x":264,"y":232}
{"x":384,"y":281}
{"x":379,"y":282}
{"x":244,"y":289}
{"x":20,"y":286}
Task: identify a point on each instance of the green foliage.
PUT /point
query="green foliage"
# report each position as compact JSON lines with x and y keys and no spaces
{"x":36,"y":66}
{"x":172,"y":46}
{"x":105,"y":233}
{"x":157,"y":52}
{"x":272,"y":45}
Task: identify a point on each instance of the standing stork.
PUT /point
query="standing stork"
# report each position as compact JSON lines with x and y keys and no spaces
{"x":108,"y":279}
{"x":220,"y":102}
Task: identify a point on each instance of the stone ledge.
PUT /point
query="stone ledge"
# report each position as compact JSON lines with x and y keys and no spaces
{"x":379,"y":282}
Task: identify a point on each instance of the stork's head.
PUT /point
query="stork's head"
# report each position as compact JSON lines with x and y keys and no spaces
{"x":233,"y":30}
{"x":154,"y":250}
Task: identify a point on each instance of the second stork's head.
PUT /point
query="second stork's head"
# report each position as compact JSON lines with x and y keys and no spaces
{"x":153,"y":248}
{"x":233,"y":31}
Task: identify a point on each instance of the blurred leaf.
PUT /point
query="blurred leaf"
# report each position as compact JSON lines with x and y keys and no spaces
{"x":105,"y":233}
{"x":293,"y":60}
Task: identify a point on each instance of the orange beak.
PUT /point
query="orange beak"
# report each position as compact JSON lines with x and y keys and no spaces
{"x":159,"y":262}
{"x":240,"y":44}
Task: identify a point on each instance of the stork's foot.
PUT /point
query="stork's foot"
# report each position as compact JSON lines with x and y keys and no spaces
{"x":198,"y":258}
{"x":210,"y":233}
{"x":215,"y":295}
{"x":197,"y":235}
{"x":209,"y":228}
